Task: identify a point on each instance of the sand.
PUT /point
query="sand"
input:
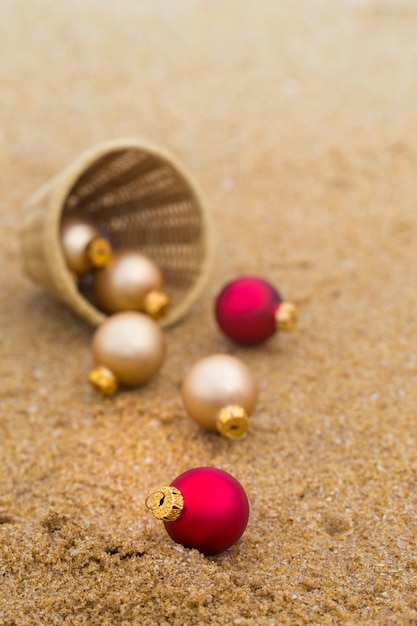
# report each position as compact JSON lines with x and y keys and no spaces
{"x":299,"y":122}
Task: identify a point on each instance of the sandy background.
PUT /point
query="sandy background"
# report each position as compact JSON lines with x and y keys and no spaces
{"x":299,"y":120}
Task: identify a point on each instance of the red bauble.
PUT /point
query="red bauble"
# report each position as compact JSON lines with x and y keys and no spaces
{"x":215,"y":512}
{"x":246,"y":310}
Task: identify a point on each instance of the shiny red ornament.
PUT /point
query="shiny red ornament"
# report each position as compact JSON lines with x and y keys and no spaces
{"x":246,"y":310}
{"x":215,"y":510}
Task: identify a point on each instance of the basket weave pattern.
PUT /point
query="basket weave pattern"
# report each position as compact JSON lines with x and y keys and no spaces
{"x":141,"y":198}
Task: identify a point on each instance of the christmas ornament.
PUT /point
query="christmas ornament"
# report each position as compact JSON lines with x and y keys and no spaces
{"x":130,"y":282}
{"x":204,"y":508}
{"x":129,"y":349}
{"x":249,"y":310}
{"x":219,"y":392}
{"x":83,"y":245}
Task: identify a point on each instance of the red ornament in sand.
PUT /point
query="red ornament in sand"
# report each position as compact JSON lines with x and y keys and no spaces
{"x":204,"y":508}
{"x":249,"y":310}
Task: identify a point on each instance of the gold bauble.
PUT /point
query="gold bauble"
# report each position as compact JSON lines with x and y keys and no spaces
{"x":219,"y":392}
{"x":131,"y":346}
{"x":83,"y":245}
{"x":130,"y":282}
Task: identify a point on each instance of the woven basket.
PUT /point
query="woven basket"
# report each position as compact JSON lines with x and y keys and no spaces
{"x":144,"y":199}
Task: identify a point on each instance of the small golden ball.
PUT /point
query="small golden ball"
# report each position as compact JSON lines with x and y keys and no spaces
{"x":131,"y":345}
{"x":77,"y":232}
{"x":126,"y":281}
{"x":216,"y":382}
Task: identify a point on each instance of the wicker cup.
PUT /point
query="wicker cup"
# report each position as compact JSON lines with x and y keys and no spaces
{"x":142,"y":198}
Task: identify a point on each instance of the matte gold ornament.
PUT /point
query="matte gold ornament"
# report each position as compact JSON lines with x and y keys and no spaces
{"x":83,"y":246}
{"x":143,"y":198}
{"x":130,"y":282}
{"x":219,"y":392}
{"x":128,"y":348}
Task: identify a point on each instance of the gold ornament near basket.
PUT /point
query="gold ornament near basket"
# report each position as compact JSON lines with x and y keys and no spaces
{"x":141,"y":197}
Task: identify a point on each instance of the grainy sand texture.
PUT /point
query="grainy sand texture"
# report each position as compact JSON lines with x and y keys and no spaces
{"x":299,"y":121}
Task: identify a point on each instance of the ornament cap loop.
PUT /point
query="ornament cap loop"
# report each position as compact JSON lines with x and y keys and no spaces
{"x":232,"y":422}
{"x":103,"y":381}
{"x":166,"y":503}
{"x":286,"y":316}
{"x":156,"y":303}
{"x":99,"y":252}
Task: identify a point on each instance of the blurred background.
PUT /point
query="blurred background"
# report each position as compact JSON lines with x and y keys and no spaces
{"x":299,"y":121}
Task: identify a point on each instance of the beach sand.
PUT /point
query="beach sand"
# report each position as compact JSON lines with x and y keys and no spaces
{"x":299,"y":122}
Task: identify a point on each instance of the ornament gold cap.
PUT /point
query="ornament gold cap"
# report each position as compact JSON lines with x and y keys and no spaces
{"x":166,"y":503}
{"x":156,"y":303}
{"x":103,"y":381}
{"x":286,"y":316}
{"x":232,"y":422}
{"x":99,"y":252}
